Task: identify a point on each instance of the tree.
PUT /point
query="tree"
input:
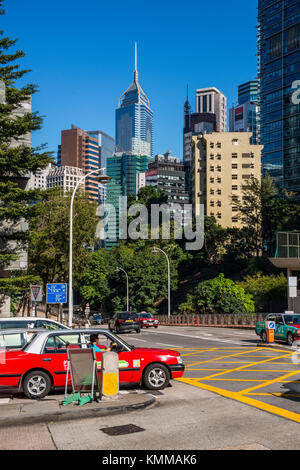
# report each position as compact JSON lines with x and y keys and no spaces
{"x":49,"y":236}
{"x":266,"y":290}
{"x":219,"y":295}
{"x":263,"y":210}
{"x":17,"y":160}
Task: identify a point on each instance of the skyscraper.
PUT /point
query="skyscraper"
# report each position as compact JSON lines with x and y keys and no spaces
{"x":279,"y":68}
{"x":245,"y":116}
{"x":211,"y":100}
{"x":123,"y":168}
{"x":134,"y":119}
{"x":79,"y":149}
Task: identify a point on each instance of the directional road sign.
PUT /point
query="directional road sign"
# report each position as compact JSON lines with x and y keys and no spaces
{"x":57,"y":293}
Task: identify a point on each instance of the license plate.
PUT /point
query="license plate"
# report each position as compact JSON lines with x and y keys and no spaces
{"x":128,"y":321}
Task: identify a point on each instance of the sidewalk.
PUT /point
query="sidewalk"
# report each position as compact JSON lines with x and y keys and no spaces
{"x":21,"y":411}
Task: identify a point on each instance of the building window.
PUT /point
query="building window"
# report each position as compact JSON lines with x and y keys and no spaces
{"x":234,"y":177}
{"x":234,"y":187}
{"x":235,"y":141}
{"x":219,"y":145}
{"x":234,"y":166}
{"x":234,"y":155}
{"x":235,"y":219}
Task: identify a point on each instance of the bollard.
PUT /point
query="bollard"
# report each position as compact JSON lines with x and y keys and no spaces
{"x":270,"y":327}
{"x":195,"y":321}
{"x":109,"y":374}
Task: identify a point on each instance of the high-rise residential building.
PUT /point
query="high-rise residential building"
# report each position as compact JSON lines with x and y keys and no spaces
{"x":278,"y":69}
{"x":79,"y":149}
{"x":245,"y":116}
{"x":39,"y":180}
{"x":211,"y":100}
{"x":194,"y":124}
{"x":222,"y":164}
{"x":134,"y":120}
{"x":64,"y":177}
{"x":123,"y":168}
{"x":167,"y":173}
{"x":107,"y":149}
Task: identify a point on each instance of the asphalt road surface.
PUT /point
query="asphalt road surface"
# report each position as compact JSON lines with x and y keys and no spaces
{"x":234,"y":395}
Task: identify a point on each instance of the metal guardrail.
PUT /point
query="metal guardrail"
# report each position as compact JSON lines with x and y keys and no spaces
{"x":221,"y":320}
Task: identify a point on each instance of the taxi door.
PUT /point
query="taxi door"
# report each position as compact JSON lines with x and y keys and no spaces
{"x":54,"y":356}
{"x":279,"y":327}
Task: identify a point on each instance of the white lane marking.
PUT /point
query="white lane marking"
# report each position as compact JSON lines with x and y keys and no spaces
{"x":172,"y":345}
{"x":218,"y":340}
{"x":138,"y":339}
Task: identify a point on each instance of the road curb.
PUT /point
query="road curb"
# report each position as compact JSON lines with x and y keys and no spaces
{"x":277,"y":346}
{"x":66,"y":414}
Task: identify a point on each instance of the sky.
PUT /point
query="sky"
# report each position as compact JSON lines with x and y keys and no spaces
{"x":82,"y":58}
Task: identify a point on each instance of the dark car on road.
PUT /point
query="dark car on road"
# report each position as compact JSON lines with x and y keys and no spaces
{"x":124,"y":321}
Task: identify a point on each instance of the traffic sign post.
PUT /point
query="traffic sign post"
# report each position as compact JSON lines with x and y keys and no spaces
{"x":56,"y":293}
{"x":270,"y":327}
{"x":36,"y":295}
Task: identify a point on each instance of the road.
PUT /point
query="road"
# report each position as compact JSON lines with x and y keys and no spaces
{"x":234,"y":395}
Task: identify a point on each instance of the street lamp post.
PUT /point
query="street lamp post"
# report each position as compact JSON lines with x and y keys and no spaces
{"x":155,"y":251}
{"x":70,"y":317}
{"x":121,"y":269}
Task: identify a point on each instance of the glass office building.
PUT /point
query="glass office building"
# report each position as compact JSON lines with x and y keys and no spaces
{"x":279,"y":69}
{"x":134,"y":121}
{"x":123,"y":169}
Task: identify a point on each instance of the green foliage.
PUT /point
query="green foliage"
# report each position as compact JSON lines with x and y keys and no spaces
{"x":219,"y":295}
{"x":265,"y":290}
{"x":102,"y":286}
{"x":49,"y":236}
{"x":16,"y":159}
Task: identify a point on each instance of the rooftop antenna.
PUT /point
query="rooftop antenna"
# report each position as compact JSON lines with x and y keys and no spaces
{"x":135,"y":68}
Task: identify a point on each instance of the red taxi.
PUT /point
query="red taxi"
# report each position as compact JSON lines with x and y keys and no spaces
{"x":146,"y":320}
{"x":42,"y":364}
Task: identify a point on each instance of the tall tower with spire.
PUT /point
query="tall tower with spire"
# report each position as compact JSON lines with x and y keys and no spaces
{"x":134,"y":119}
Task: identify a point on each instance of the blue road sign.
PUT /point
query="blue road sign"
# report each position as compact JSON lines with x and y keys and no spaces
{"x":271,"y":325}
{"x":57,"y":293}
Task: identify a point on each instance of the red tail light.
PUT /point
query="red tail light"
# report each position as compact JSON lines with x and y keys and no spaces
{"x":121,"y":321}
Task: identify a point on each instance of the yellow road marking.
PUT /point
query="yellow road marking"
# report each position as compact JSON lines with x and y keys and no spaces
{"x":270,"y":382}
{"x":244,"y":367}
{"x":245,"y":399}
{"x":229,"y":355}
{"x":284,"y":394}
{"x":234,"y":380}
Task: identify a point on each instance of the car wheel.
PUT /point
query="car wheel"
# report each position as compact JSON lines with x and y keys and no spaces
{"x":37,"y":384}
{"x":138,"y":330}
{"x":156,"y":377}
{"x":156,"y":327}
{"x":289,"y":339}
{"x":263,"y":336}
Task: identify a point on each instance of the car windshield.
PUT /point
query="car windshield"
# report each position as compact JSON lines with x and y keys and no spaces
{"x":292,"y":319}
{"x":125,"y":315}
{"x":145,"y":315}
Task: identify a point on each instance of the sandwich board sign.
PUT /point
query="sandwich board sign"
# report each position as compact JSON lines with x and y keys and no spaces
{"x":57,"y":293}
{"x":36,"y":293}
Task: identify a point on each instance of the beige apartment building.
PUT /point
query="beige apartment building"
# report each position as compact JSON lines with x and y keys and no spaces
{"x":222,"y":164}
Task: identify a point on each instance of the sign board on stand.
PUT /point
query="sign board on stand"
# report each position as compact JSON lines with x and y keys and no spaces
{"x":57,"y":293}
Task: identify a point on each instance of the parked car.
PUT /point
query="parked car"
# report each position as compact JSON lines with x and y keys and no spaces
{"x":16,"y":338}
{"x":30,"y":322}
{"x":42,"y":363}
{"x":96,"y":319}
{"x":146,"y":320}
{"x":124,"y":321}
{"x":287,"y":327}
